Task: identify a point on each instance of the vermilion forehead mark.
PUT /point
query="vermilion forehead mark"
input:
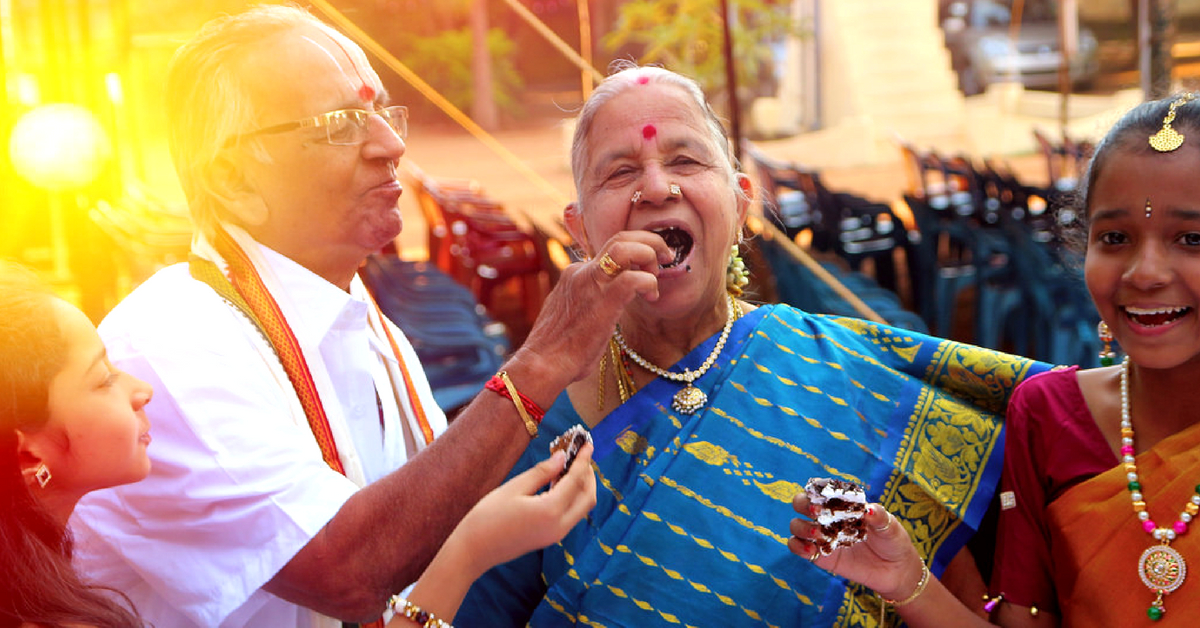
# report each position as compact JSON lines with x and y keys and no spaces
{"x":642,"y":80}
{"x":365,"y":92}
{"x":648,"y":131}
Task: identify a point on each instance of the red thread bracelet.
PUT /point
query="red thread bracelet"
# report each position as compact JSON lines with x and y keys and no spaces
{"x":530,"y":412}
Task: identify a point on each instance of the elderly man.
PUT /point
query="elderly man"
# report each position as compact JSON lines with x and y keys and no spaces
{"x":295,"y":475}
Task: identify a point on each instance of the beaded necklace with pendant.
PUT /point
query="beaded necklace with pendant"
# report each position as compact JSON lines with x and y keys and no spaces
{"x":689,"y":399}
{"x":1161,"y":566}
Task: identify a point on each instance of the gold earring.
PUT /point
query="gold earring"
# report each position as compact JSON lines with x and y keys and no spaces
{"x":1107,"y":357}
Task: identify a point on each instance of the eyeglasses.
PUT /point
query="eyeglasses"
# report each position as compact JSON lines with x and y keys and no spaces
{"x":344,"y":127}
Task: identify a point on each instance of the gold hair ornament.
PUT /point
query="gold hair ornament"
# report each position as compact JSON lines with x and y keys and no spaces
{"x":1168,"y":139}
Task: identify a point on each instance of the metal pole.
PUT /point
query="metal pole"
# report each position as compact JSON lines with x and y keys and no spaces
{"x":1143,"y":44}
{"x":483,"y":105}
{"x":585,"y":47}
{"x":1068,"y":32}
{"x":735,"y":110}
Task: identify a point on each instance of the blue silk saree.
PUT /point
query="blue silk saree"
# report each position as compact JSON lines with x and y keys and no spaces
{"x":691,"y":524}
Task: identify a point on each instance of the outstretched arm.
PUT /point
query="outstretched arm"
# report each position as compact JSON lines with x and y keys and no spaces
{"x":888,"y":562}
{"x":510,"y":521}
{"x":385,"y":535}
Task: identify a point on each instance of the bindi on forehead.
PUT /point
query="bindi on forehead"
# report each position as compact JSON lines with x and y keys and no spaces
{"x":642,"y":80}
{"x":649,"y":131}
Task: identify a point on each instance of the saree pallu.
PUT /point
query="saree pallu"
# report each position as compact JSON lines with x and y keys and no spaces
{"x":693,"y":512}
{"x":1096,"y":539}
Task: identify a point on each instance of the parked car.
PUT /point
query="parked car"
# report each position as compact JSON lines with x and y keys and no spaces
{"x":979,"y":36}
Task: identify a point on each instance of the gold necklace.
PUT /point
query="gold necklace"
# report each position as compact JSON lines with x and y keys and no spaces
{"x":689,"y":399}
{"x":1161,"y":566}
{"x":621,"y":373}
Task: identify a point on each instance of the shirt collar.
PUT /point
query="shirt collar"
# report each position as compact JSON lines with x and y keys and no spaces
{"x":319,"y":304}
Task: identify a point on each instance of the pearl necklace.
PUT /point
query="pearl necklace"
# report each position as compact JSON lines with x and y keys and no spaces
{"x":1161,"y":567}
{"x":689,"y":399}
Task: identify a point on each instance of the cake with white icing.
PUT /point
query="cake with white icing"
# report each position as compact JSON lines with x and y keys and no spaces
{"x":838,"y":507}
{"x":570,"y":442}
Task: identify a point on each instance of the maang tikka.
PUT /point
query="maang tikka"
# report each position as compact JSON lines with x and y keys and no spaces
{"x":1167,"y":138}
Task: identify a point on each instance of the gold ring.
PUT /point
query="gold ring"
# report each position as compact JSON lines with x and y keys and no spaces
{"x":887,"y":525}
{"x":815,"y":556}
{"x":610,"y":267}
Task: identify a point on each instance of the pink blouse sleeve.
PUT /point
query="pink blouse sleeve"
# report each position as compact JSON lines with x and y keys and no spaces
{"x":1021,"y":568}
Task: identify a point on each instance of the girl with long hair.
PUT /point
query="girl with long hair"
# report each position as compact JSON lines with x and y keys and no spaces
{"x":69,"y":423}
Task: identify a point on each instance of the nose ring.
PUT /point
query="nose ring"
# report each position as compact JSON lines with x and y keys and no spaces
{"x":637,"y":197}
{"x":674,"y":190}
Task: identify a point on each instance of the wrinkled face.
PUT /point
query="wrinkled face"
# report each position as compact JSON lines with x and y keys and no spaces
{"x":97,"y":433}
{"x":644,"y":141}
{"x":339,"y":201}
{"x":1144,"y":272}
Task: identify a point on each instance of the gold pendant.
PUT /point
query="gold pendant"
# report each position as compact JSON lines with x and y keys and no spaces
{"x":689,"y":400}
{"x":1162,"y":570}
{"x":1166,"y":140}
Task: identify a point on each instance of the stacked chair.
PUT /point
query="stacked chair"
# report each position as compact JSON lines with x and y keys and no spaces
{"x":985,"y":234}
{"x":1064,"y":160}
{"x":475,"y":241}
{"x":797,"y":286}
{"x":852,"y":228}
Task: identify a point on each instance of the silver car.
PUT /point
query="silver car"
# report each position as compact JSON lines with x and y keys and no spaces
{"x":983,"y":51}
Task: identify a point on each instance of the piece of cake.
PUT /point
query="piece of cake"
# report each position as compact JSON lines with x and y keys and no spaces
{"x":570,"y":441}
{"x":838,"y":507}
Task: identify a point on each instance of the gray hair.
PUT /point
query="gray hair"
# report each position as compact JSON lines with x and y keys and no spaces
{"x":210,"y":101}
{"x":626,"y":74}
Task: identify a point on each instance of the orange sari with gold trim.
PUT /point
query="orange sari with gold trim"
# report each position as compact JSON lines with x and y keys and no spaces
{"x":1097,"y":540}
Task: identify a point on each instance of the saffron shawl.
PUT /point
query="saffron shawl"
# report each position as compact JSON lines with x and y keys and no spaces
{"x":1096,"y":539}
{"x":334,"y":426}
{"x":691,"y":524}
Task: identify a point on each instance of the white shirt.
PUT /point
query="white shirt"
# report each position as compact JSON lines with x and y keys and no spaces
{"x":236,"y":488}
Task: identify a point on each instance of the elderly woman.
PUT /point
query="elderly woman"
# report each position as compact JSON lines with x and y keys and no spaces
{"x":709,"y":413}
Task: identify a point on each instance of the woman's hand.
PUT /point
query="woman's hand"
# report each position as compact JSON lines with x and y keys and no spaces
{"x":886,"y":560}
{"x":515,"y":519}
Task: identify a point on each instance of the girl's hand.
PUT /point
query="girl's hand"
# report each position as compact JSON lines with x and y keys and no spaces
{"x":515,"y":519}
{"x":886,"y":560}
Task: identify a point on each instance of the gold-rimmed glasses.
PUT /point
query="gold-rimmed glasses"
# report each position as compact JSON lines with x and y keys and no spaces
{"x":344,"y":127}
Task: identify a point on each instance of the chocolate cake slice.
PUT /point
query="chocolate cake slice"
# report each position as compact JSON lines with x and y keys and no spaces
{"x":838,"y":507}
{"x":570,"y":441}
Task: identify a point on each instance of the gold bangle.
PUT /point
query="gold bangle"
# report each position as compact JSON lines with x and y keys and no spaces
{"x":424,"y":618}
{"x":530,"y":425}
{"x":921,"y":584}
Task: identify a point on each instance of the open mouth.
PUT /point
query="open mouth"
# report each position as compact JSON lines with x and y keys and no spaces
{"x":679,"y":241}
{"x":1157,"y":316}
